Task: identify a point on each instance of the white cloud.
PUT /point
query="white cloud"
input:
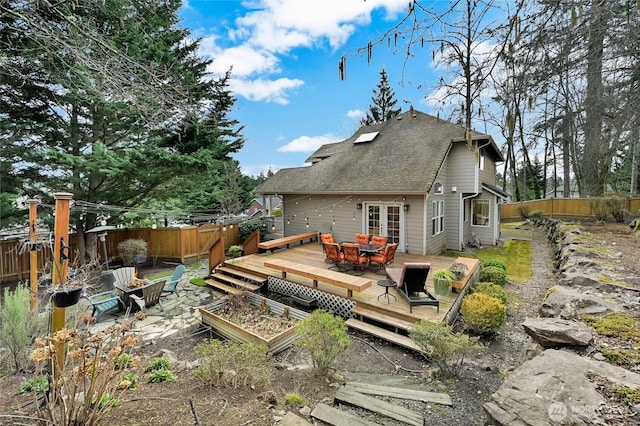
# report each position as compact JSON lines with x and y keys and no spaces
{"x":308,"y":143}
{"x":273,"y":28}
{"x":265,"y":90}
{"x":355,"y":113}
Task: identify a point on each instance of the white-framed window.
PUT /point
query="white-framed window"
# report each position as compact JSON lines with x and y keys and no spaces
{"x":482,"y":159}
{"x":480,"y":212}
{"x":438,"y":188}
{"x":437,"y":217}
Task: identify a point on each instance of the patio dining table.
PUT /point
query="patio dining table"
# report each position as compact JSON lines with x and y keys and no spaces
{"x":129,"y":290}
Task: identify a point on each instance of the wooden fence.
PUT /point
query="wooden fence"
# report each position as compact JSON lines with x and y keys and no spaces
{"x":182,"y":245}
{"x":559,"y":208}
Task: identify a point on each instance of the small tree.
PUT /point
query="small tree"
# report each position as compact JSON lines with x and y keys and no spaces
{"x":325,"y":337}
{"x":382,"y":108}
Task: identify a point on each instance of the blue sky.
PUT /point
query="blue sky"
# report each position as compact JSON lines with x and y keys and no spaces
{"x":285,"y":56}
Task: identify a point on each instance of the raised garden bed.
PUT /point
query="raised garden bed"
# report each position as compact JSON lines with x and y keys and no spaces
{"x":250,"y":318}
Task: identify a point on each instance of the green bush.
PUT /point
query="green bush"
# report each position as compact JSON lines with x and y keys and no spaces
{"x":37,"y":384}
{"x":495,"y":262}
{"x":493,"y":274}
{"x":325,"y":337}
{"x":247,"y":228}
{"x":158,"y":364}
{"x":161,"y":375}
{"x":18,"y":324}
{"x":295,"y":400}
{"x":443,"y":346}
{"x":128,"y":381}
{"x":482,"y":313}
{"x":491,"y":289}
{"x":123,"y":361}
{"x":233,"y":364}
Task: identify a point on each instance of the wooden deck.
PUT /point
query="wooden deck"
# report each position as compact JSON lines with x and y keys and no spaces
{"x":394,"y":313}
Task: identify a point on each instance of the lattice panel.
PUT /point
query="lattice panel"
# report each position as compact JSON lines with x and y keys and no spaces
{"x":329,"y":302}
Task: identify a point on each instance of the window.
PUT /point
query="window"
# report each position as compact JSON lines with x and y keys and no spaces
{"x":482,"y":159}
{"x":437,"y":188}
{"x":480,"y":209}
{"x":437,"y":217}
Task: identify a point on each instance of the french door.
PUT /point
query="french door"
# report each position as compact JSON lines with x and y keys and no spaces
{"x":384,"y":219}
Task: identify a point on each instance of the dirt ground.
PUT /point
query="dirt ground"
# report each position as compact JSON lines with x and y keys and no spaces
{"x":186,"y":402}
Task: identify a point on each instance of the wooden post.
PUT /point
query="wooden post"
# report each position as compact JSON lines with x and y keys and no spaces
{"x":59,"y":270}
{"x":33,"y":259}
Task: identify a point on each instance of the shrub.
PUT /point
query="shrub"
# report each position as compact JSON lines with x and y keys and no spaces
{"x":493,"y":274}
{"x":325,"y":337}
{"x":124,"y":361}
{"x":235,"y":251}
{"x":443,"y":346}
{"x":495,"y":262}
{"x":599,"y":208}
{"x":523,"y":211}
{"x":247,"y":228}
{"x":161,"y":375}
{"x":491,"y":289}
{"x":482,"y":313}
{"x":128,"y":381}
{"x":233,"y":364}
{"x":130,"y":249}
{"x":295,"y":400}
{"x":88,"y":382}
{"x":615,"y":207}
{"x":18,"y":324}
{"x":37,"y":384}
{"x":158,"y":364}
{"x":536,"y":214}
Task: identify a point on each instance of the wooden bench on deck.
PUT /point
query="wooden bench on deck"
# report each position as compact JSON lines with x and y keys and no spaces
{"x":286,"y":241}
{"x":316,"y":274}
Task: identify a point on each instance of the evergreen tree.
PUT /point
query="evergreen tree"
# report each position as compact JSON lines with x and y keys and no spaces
{"x":114,"y":139}
{"x":382,"y":108}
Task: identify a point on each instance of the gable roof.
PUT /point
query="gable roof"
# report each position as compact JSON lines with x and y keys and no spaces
{"x":404,"y":156}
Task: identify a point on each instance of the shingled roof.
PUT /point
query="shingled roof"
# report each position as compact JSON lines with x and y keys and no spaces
{"x":405,"y":156}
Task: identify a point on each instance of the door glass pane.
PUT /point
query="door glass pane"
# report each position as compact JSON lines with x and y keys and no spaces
{"x":393,"y":224}
{"x":374,"y":220}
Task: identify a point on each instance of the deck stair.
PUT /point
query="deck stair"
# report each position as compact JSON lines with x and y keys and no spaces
{"x":366,"y":313}
{"x":384,"y":334}
{"x":234,"y":280}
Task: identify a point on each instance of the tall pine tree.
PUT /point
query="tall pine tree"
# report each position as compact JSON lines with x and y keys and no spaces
{"x":382,"y":108}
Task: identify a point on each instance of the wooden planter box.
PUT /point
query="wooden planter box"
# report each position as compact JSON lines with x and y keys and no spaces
{"x":236,"y":333}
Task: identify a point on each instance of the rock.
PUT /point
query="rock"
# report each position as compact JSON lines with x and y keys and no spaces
{"x":166,"y":354}
{"x":550,"y":332}
{"x":599,"y":357}
{"x":553,"y":388}
{"x":305,"y":411}
{"x":570,"y":303}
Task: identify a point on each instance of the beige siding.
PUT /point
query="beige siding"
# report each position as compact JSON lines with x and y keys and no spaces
{"x":460,"y":164}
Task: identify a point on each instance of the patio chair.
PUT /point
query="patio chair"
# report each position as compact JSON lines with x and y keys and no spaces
{"x":171,"y":286}
{"x":353,"y":257}
{"x":378,"y":240}
{"x":333,"y":255}
{"x":385,"y":257}
{"x":104,"y":302}
{"x":411,"y":280}
{"x":150,"y":295}
{"x":362,"y":239}
{"x":326,"y":238}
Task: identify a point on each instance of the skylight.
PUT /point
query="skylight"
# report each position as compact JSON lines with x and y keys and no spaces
{"x":366,"y":137}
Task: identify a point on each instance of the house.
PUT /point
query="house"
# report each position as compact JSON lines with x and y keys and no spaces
{"x":257,"y":207}
{"x":413,"y":178}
